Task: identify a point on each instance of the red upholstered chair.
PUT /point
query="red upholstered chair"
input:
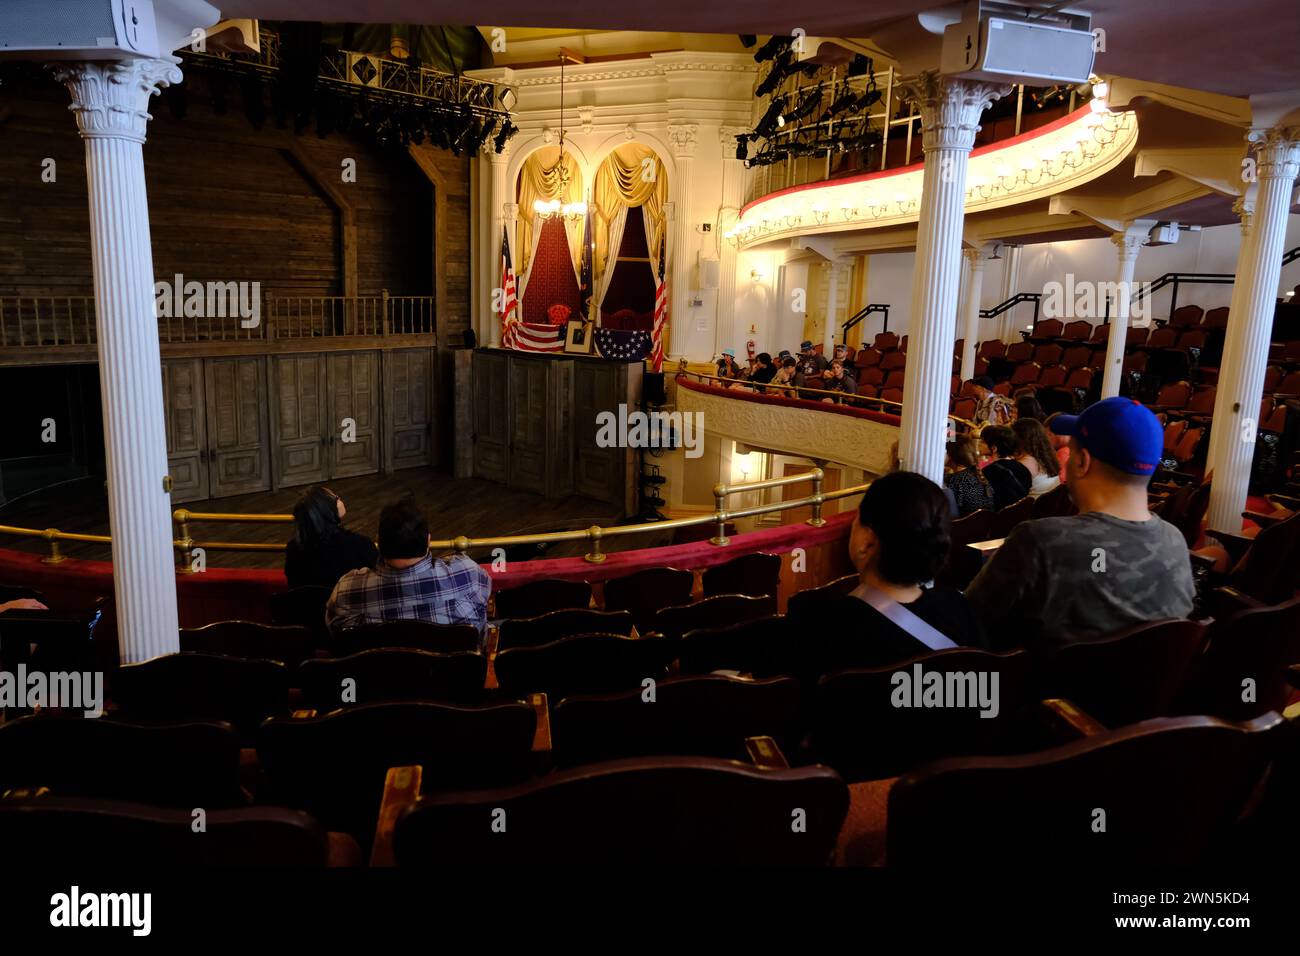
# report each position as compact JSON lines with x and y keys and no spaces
{"x":902,"y":345}
{"x":1216,"y":318}
{"x":866,"y":390}
{"x":981,"y":366}
{"x":957,"y":347}
{"x":874,"y":375}
{"x":1174,"y":434}
{"x":1185,"y":450}
{"x":1276,"y":421}
{"x":867,"y":358}
{"x":1174,"y":395}
{"x":892,"y":395}
{"x":967,"y":390}
{"x":1187,"y":316}
{"x":1202,"y":402}
{"x":1137,"y":362}
{"x":1098,"y":358}
{"x":1081,"y":378}
{"x":1078,"y":331}
{"x":1002,"y":388}
{"x":1026,"y":374}
{"x":1049,"y":354}
{"x":1020,"y":352}
{"x":1192,"y":339}
{"x":885,"y":342}
{"x":1277,"y":352}
{"x":1292,"y":351}
{"x":895,"y":378}
{"x":994,"y":348}
{"x":849,"y":354}
{"x":1137,"y":335}
{"x":1100,"y":335}
{"x":1163,"y":338}
{"x":1078,"y":357}
{"x":1289,"y":385}
{"x":1272,"y":378}
{"x":1048,"y":329}
{"x":964,"y":408}
{"x":893,"y":360}
{"x":1053,"y":377}
{"x":954,"y":385}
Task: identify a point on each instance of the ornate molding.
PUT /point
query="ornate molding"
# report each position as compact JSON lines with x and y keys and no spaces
{"x":1245,"y":210}
{"x":548,"y":135}
{"x":1277,"y":151}
{"x":629,"y":132}
{"x":587,"y":117}
{"x":685,"y":138}
{"x":974,"y":257}
{"x":109,"y":97}
{"x":950,"y":108}
{"x":1128,"y":244}
{"x":511,"y":211}
{"x":628,"y":73}
{"x":727,"y":137}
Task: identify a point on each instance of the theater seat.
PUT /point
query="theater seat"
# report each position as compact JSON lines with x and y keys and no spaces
{"x":288,"y":645}
{"x":1216,"y":318}
{"x":541,"y":597}
{"x":1047,"y":329}
{"x":755,"y":575}
{"x":1186,"y":316}
{"x":584,"y":664}
{"x":644,"y":592}
{"x":715,"y":611}
{"x":1162,"y":338}
{"x":392,"y":673}
{"x":1256,"y":644}
{"x":420,"y":635}
{"x":1077,"y":331}
{"x":535,"y":631}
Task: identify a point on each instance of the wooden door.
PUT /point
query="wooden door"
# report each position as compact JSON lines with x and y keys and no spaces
{"x":354,"y":413}
{"x":408,"y":409}
{"x":528,"y":424}
{"x":490,"y":407}
{"x":599,"y":473}
{"x":238,"y":445}
{"x":187,"y":445}
{"x":298,"y":420}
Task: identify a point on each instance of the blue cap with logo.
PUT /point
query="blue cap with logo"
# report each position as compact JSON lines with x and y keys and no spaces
{"x":1123,"y":433}
{"x":731,"y":352}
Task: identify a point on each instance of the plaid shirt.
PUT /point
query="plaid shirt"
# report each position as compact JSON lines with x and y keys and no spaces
{"x":450,"y":590}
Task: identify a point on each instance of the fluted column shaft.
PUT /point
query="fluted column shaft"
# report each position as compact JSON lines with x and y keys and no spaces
{"x":110,"y":100}
{"x":1250,"y":325}
{"x":1010,"y":284}
{"x":1245,"y":210}
{"x":499,"y":196}
{"x":974,"y":287}
{"x":832,"y":305}
{"x":1127,"y":245}
{"x":684,"y":139}
{"x":950,"y":111}
{"x":730,"y":333}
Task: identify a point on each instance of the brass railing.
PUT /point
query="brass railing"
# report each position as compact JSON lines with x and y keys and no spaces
{"x":596,"y":535}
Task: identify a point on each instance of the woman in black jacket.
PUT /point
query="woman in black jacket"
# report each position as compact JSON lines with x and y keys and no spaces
{"x":323,"y":550}
{"x":1011,"y":480}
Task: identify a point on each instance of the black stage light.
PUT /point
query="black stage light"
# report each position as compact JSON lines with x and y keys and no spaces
{"x":860,"y":65}
{"x":742,"y":147}
{"x":507,"y":130}
{"x":747,"y":40}
{"x":770,"y":48}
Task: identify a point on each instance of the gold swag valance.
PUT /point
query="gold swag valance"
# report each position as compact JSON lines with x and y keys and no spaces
{"x":631,"y":175}
{"x":539,"y":178}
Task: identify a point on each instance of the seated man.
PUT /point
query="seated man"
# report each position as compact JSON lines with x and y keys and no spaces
{"x":1113,"y":565}
{"x":727,"y":367}
{"x":839,"y":380}
{"x":408,"y":583}
{"x":811,"y":366}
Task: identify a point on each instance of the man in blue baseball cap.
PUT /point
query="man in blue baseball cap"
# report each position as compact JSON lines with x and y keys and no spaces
{"x":1113,"y":565}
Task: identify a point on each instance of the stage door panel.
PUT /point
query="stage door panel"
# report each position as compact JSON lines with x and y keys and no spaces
{"x":600,"y":473}
{"x":299,"y":428}
{"x":408,"y":408}
{"x":529,"y":396}
{"x":238,"y":442}
{"x":491,"y":402}
{"x":187,"y":446}
{"x":354,"y":412}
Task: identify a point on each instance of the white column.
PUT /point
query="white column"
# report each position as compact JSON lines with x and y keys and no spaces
{"x":1127,"y":244}
{"x":1245,"y":210}
{"x":974,"y":286}
{"x":950,"y":111}
{"x":832,"y":307}
{"x":1245,"y":353}
{"x":499,"y":197}
{"x":684,"y":140}
{"x":1010,"y":286}
{"x":110,"y":100}
{"x":733,"y":196}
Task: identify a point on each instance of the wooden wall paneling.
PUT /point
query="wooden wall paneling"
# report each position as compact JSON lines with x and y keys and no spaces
{"x":408,"y":408}
{"x":598,"y":472}
{"x":354,"y":394}
{"x":183,"y":404}
{"x":557,"y":412}
{"x":299,"y":429}
{"x":238,"y":435}
{"x":527,"y":386}
{"x":491,"y":420}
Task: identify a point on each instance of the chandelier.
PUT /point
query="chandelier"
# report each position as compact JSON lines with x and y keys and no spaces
{"x":553,"y":208}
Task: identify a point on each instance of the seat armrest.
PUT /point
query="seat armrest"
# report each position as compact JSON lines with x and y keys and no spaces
{"x":1204,"y":561}
{"x":1228,"y":600}
{"x":401,"y":789}
{"x":765,"y":754}
{"x":303,"y":714}
{"x":1066,"y":721}
{"x":1285,"y":501}
{"x":1263,"y":520}
{"x":542,"y":736}
{"x":1235,"y":544}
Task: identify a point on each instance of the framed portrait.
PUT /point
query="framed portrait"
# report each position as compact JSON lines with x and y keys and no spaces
{"x":577,"y":337}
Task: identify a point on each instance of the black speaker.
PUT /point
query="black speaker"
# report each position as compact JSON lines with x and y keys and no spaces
{"x":652,"y":389}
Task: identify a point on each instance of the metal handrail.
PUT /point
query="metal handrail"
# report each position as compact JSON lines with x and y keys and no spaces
{"x":861,"y":315}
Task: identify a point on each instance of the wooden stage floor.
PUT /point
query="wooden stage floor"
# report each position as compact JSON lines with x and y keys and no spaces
{"x":455,"y":506}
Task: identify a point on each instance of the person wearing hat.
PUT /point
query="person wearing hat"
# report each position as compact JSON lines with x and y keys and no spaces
{"x":990,"y":407}
{"x":1065,"y":580}
{"x":811,"y":366}
{"x":727,"y":367}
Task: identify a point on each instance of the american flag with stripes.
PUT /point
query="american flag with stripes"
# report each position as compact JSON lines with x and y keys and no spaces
{"x":509,"y":301}
{"x":661,"y":313}
{"x":538,"y":337}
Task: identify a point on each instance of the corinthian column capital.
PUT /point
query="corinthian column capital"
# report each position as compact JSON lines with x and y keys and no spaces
{"x":1277,"y":151}
{"x":109,"y":97}
{"x":950,"y":107}
{"x":1127,"y":243}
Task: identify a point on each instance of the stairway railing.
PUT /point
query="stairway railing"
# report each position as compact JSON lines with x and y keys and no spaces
{"x":861,"y":314}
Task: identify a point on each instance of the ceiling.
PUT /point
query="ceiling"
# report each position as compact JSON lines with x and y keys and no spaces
{"x":1237,"y":48}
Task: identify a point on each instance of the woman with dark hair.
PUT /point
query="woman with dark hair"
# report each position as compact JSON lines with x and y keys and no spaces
{"x":1010,"y":479}
{"x":764,"y":371}
{"x":1037,"y":455}
{"x":322,"y":550}
{"x":899,"y":541}
{"x":1028,"y":406}
{"x":970,"y":489}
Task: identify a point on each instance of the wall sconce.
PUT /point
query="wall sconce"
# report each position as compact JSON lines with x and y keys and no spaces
{"x":756,"y":274}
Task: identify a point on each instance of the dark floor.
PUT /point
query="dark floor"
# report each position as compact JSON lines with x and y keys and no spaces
{"x":455,"y":506}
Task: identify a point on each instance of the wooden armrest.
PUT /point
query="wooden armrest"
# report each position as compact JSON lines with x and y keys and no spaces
{"x":1066,"y":721}
{"x":1235,"y":544}
{"x":1202,"y":560}
{"x":542,"y":736}
{"x":1263,"y":520}
{"x":765,"y":754}
{"x":1227,"y":600}
{"x":303,"y":714}
{"x":1284,"y":501}
{"x":401,"y":789}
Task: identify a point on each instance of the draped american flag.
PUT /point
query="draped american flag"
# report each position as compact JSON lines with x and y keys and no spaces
{"x":661,"y":313}
{"x":538,"y":337}
{"x":509,"y":301}
{"x":622,"y":345}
